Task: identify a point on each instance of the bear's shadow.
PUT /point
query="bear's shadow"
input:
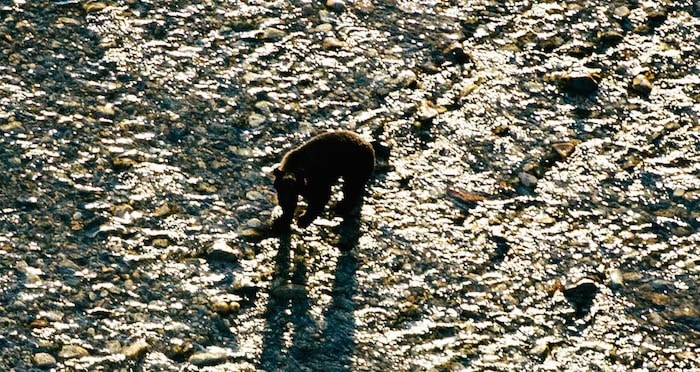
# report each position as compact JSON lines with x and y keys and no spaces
{"x":326,"y":345}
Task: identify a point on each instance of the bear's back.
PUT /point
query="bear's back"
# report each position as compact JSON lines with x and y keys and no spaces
{"x":332,"y":154}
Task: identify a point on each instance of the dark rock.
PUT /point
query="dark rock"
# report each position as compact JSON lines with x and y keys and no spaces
{"x":464,"y":199}
{"x":455,"y":52}
{"x":581,"y":83}
{"x":549,"y":44}
{"x":562,"y":150}
{"x":221,"y":252}
{"x":580,"y":50}
{"x":656,"y":17}
{"x":608,"y":38}
{"x":337,"y":6}
{"x":527,"y":179}
{"x":641,"y":85}
{"x":581,"y":294}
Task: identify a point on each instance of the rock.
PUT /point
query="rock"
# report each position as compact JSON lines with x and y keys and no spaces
{"x":564,"y":149}
{"x":406,"y":79}
{"x":105,"y":110}
{"x":163,"y":211}
{"x":44,"y":360}
{"x":331,"y":43}
{"x":252,"y":234}
{"x":610,"y":37}
{"x":160,"y":243}
{"x":205,"y":187}
{"x":641,"y":85}
{"x":656,"y":17}
{"x":255,"y":119}
{"x":616,"y":278}
{"x":678,"y":193}
{"x":581,"y":82}
{"x":94,"y":6}
{"x":136,"y":350}
{"x":581,"y":294}
{"x":687,"y":314}
{"x":122,"y":163}
{"x":73,"y":351}
{"x":208,"y":358}
{"x":621,"y":12}
{"x":464,"y":199}
{"x":222,"y":252}
{"x":290,"y":292}
{"x":337,"y":6}
{"x":455,"y":52}
{"x":527,"y":179}
{"x":429,"y":111}
{"x":221,"y":307}
{"x":273,"y":34}
{"x":541,"y":348}
{"x":39,"y":323}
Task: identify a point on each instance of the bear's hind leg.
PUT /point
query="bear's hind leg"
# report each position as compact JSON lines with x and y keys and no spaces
{"x":353,"y":191}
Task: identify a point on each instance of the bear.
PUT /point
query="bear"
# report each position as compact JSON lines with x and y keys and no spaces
{"x":311,"y":169}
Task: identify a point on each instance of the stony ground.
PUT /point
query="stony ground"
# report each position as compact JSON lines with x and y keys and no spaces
{"x":535,"y":205}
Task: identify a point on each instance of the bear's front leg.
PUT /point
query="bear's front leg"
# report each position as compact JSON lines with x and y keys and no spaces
{"x":317,"y":196}
{"x":287,"y":200}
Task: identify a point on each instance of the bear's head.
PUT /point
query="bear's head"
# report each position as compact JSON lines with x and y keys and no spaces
{"x":288,"y":187}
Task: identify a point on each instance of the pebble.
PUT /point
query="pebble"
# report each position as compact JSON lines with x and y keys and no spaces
{"x":136,"y":350}
{"x":541,"y":348}
{"x":252,"y":234}
{"x":94,"y":6}
{"x":73,"y":351}
{"x":163,"y":210}
{"x":39,"y":323}
{"x":564,"y":149}
{"x":161,"y":243}
{"x":44,"y":360}
{"x":406,"y":79}
{"x":429,"y":111}
{"x":621,"y":12}
{"x":610,"y":37}
{"x":255,"y":119}
{"x":337,"y":6}
{"x":656,"y":17}
{"x":456,"y":53}
{"x":581,"y":82}
{"x":331,"y":43}
{"x":273,"y":34}
{"x":527,"y":179}
{"x":221,"y":307}
{"x":222,"y":252}
{"x":641,"y":85}
{"x":616,"y":278}
{"x":208,"y":358}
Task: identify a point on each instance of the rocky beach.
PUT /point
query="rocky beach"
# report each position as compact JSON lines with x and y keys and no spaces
{"x":535,"y":203}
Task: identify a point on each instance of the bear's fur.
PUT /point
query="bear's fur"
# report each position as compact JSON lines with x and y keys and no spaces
{"x":311,"y":169}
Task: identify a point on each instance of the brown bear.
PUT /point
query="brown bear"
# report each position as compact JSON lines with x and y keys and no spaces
{"x":311,"y":169}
